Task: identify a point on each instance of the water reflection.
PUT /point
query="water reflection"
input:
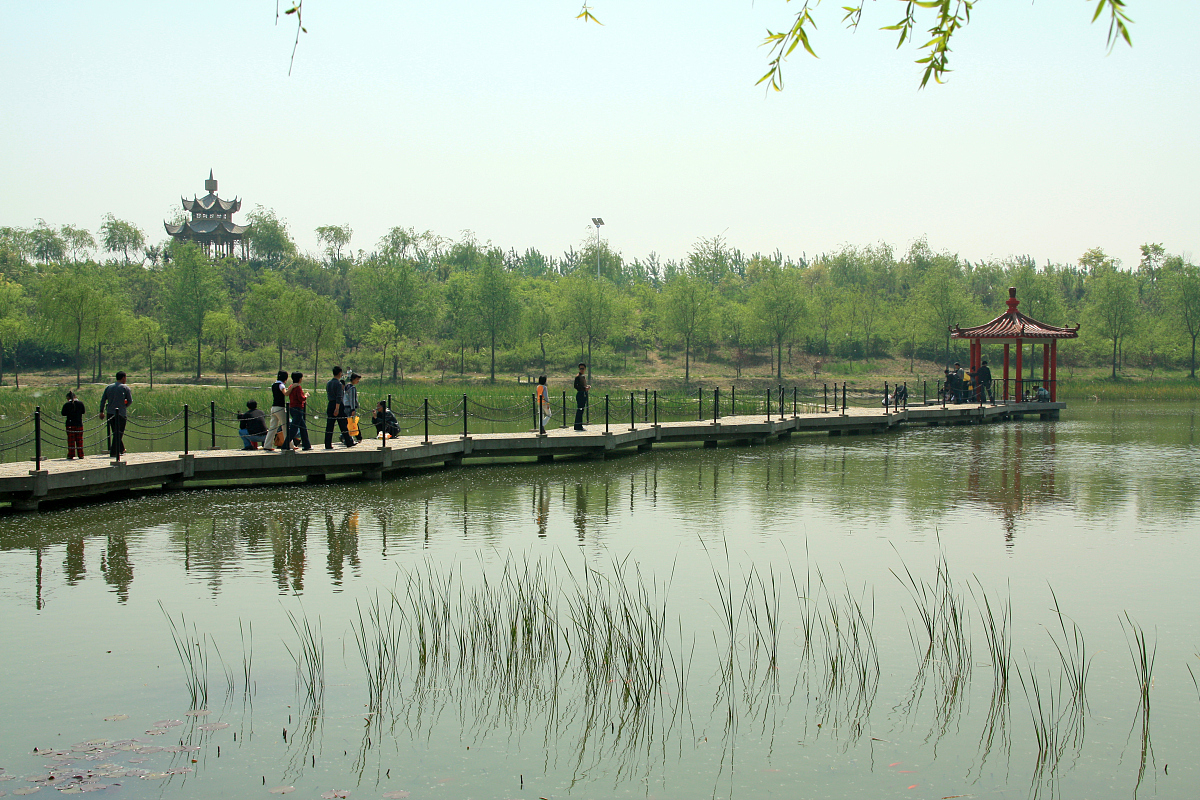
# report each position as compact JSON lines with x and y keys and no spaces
{"x":1006,"y":478}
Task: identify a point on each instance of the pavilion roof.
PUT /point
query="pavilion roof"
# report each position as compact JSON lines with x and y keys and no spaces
{"x":210,"y":203}
{"x":1012,"y":324}
{"x":212,"y":228}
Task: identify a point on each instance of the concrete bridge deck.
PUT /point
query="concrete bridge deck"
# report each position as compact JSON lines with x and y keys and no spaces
{"x":25,"y":488}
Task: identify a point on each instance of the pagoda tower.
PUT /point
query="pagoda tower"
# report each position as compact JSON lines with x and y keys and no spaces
{"x":211,"y":225}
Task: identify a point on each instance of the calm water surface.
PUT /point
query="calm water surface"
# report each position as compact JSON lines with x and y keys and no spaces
{"x":671,"y":695}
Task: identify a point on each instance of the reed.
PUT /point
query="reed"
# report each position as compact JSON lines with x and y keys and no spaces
{"x":309,"y":658}
{"x":193,"y":655}
{"x":1072,"y":652}
{"x":1142,"y":651}
{"x":246,"y":630}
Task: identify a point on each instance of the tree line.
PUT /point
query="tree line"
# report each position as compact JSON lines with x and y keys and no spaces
{"x":420,"y":302}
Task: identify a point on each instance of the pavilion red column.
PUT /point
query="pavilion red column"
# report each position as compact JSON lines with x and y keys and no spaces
{"x":1045,"y":362}
{"x":1054,"y":370}
{"x":1006,"y":372}
{"x":1017,"y":393}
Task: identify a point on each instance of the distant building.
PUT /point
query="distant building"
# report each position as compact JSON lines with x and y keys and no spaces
{"x":211,"y":225}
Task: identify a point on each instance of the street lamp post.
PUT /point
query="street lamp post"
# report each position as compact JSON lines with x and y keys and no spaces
{"x":597,"y":222}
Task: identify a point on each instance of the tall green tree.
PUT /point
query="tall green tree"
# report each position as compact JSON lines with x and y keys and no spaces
{"x":1113,"y":305}
{"x":193,"y":288}
{"x":68,"y":300}
{"x":1183,"y":293}
{"x":335,"y":238}
{"x":686,"y":312}
{"x":495,"y":303}
{"x":777,"y":302}
{"x":587,"y":310}
{"x":944,"y":301}
{"x":268,"y":237}
{"x":149,"y":335}
{"x":223,"y":329}
{"x":119,"y":236}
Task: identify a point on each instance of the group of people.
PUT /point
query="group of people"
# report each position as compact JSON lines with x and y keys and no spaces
{"x":114,"y":409}
{"x":975,"y":386}
{"x":582,"y":388}
{"x":288,"y":427}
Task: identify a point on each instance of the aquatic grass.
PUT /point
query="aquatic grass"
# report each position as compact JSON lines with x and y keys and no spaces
{"x":246,"y":631}
{"x":1072,"y":652}
{"x":193,"y":655}
{"x":309,"y":658}
{"x":1143,"y":653}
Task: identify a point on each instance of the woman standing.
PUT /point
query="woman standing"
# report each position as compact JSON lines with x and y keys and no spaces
{"x":297,"y":401}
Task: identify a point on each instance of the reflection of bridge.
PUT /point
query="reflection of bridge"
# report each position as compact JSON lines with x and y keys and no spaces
{"x":95,"y":475}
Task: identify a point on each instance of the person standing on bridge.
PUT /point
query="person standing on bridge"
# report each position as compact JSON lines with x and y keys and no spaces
{"x":581,"y":396}
{"x":278,"y":410}
{"x":73,"y":412}
{"x":335,"y":410}
{"x":114,"y":407}
{"x":986,"y":390}
{"x":297,"y":424}
{"x":543,"y":404}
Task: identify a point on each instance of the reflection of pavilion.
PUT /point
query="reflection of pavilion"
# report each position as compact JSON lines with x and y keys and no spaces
{"x":1012,"y":490}
{"x":1013,"y":327}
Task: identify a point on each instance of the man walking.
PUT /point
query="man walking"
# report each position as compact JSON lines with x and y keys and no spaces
{"x":278,"y":410}
{"x":581,"y":396}
{"x":335,"y":410}
{"x":114,"y":405}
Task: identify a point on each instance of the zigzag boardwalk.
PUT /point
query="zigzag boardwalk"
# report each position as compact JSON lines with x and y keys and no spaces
{"x":25,"y":488}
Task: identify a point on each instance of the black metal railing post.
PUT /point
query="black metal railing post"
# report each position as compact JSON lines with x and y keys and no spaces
{"x":768,"y":405}
{"x":37,"y":438}
{"x":564,"y":410}
{"x":606,"y":413}
{"x":645,"y":405}
{"x":716,"y":404}
{"x":212,"y":422}
{"x":886,"y":397}
{"x":733,"y":401}
{"x":843,"y":398}
{"x":904,"y":395}
{"x":656,"y":407}
{"x":426,"y":423}
{"x":924,"y":392}
{"x":826,"y":398}
{"x":795,"y":401}
{"x":700,"y":405}
{"x":464,"y":416}
{"x":781,"y":402}
{"x":186,"y":426}
{"x":632,"y":413}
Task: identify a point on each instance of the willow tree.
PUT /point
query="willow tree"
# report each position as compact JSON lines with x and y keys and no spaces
{"x":193,"y":288}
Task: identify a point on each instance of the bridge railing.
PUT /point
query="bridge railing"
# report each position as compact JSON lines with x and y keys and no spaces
{"x":216,"y":427}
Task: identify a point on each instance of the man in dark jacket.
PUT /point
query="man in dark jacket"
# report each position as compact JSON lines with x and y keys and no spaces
{"x":252,"y":426}
{"x":335,"y":410}
{"x":114,"y":405}
{"x":986,"y":390}
{"x":581,"y":396}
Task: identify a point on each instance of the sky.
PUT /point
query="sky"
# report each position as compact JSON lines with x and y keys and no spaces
{"x":519,"y":123}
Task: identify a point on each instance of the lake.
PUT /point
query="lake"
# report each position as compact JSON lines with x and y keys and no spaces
{"x":995,"y":610}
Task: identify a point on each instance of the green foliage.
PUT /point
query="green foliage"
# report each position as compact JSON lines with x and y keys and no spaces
{"x":119,"y":236}
{"x":193,"y":289}
{"x":268,"y":237}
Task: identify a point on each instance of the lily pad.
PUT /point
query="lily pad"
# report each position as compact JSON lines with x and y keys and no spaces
{"x":116,"y":718}
{"x":331,"y":794}
{"x":24,"y":790}
{"x":282,"y":790}
{"x":212,"y":726}
{"x":198,"y":712}
{"x":167,"y":723}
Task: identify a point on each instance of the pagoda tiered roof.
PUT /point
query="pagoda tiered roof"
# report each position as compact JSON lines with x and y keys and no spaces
{"x":210,"y":203}
{"x":1012,"y":324}
{"x":206,"y":227}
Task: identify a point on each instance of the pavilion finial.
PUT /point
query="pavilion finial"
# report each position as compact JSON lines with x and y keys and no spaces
{"x":210,"y":185}
{"x":1012,"y":299}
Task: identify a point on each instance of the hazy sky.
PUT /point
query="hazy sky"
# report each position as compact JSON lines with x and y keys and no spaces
{"x":518,"y":122}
